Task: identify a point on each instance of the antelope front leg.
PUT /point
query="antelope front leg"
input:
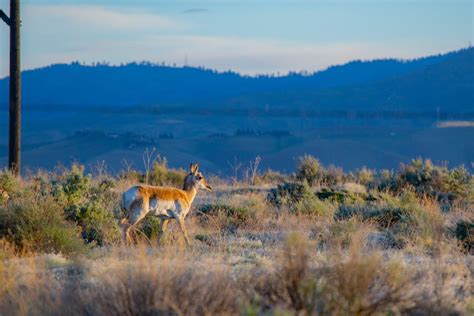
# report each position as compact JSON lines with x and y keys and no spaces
{"x":180,"y":221}
{"x":163,"y":226}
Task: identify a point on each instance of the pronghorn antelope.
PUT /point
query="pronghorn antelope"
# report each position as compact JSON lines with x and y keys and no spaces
{"x":165,"y":202}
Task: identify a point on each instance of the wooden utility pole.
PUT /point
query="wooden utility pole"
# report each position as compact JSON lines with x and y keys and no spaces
{"x":15,"y":86}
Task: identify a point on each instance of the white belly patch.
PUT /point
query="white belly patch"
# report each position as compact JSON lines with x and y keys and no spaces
{"x":163,"y":208}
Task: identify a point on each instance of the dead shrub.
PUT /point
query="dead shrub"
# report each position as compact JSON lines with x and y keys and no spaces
{"x":293,"y":285}
{"x":352,"y":284}
{"x":143,"y":285}
{"x":364,"y":284}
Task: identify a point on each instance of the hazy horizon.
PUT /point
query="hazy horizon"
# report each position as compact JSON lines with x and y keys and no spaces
{"x":279,"y":74}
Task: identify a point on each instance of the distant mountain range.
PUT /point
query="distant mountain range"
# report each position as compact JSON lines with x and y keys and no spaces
{"x":435,"y":83}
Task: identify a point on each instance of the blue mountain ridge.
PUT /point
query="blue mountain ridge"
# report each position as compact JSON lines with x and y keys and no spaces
{"x":421,"y":84}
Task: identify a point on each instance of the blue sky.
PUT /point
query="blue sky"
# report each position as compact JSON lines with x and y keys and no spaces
{"x":247,"y":36}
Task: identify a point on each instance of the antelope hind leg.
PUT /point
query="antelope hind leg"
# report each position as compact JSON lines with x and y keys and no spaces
{"x":139,"y":212}
{"x":180,"y":221}
{"x":163,"y":226}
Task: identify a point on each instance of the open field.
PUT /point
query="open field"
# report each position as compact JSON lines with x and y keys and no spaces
{"x":88,"y":137}
{"x":319,"y":242}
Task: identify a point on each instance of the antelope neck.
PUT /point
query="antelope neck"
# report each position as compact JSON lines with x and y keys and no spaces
{"x":191,"y":193}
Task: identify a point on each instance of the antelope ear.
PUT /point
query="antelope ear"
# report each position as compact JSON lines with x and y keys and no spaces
{"x":193,"y":168}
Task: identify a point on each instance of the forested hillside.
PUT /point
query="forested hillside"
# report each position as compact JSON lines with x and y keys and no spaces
{"x":426,"y":83}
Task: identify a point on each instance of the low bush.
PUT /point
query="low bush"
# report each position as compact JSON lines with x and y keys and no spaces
{"x":72,"y":186}
{"x":311,"y":205}
{"x":160,"y":174}
{"x":150,"y":226}
{"x":403,"y":217}
{"x":293,"y":287}
{"x":341,"y":196}
{"x":234,"y":215}
{"x":291,"y":194}
{"x":308,"y":170}
{"x":421,"y":175}
{"x":446,"y":185}
{"x":368,"y":285}
{"x":237,"y":211}
{"x":457,"y":185}
{"x":97,"y":217}
{"x":9,"y":185}
{"x":365,"y":176}
{"x":298,"y":198}
{"x":288,"y":193}
{"x":271,"y":177}
{"x":385,"y":180}
{"x":311,"y":171}
{"x":39,"y":225}
{"x":332,"y":176}
{"x":385,"y":212}
{"x":97,"y":223}
{"x":89,"y":205}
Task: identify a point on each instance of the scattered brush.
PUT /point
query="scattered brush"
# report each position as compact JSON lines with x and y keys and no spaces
{"x":390,"y":242}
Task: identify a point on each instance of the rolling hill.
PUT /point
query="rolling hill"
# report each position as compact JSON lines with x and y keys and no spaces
{"x":427,"y":83}
{"x":443,"y":86}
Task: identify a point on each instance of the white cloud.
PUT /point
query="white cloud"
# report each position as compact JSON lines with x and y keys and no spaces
{"x":100,"y":17}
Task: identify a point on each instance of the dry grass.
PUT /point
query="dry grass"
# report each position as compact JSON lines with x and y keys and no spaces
{"x":397,"y":256}
{"x":293,"y":275}
{"x":142,"y":283}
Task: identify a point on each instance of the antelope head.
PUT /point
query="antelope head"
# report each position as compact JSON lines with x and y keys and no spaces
{"x":195,"y":179}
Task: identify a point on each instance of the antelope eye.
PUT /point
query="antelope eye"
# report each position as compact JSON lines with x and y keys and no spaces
{"x":199,"y":177}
